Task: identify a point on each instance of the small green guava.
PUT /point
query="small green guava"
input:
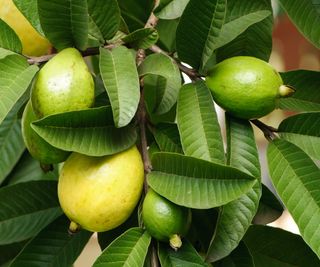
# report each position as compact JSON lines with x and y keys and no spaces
{"x":38,"y":147}
{"x":246,"y":87}
{"x":63,"y":84}
{"x":164,"y":220}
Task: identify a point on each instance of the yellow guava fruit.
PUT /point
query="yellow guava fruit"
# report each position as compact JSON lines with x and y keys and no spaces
{"x":100,"y":193}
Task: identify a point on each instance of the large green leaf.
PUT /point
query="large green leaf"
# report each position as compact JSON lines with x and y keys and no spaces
{"x":235,"y":217}
{"x":256,"y":41}
{"x":171,"y":9}
{"x":305,"y":14}
{"x":65,"y":23}
{"x":53,"y":246}
{"x":240,"y":257}
{"x":90,"y":132}
{"x":29,"y":169}
{"x":307,"y":86}
{"x":196,"y":183}
{"x":269,"y":208}
{"x":16,"y":76}
{"x":8,"y":252}
{"x":198,"y":31}
{"x":130,"y":249}
{"x":198,"y":123}
{"x":120,"y":78}
{"x":105,"y":15}
{"x":274,"y":247}
{"x":167,"y":137}
{"x":142,"y":38}
{"x":26,"y":208}
{"x":8,"y":38}
{"x":167,"y":94}
{"x":303,"y":130}
{"x":297,"y":181}
{"x":29,"y":9}
{"x":136,"y":12}
{"x":11,"y":144}
{"x":185,"y":256}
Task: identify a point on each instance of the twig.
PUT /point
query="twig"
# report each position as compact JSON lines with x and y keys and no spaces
{"x":268,"y":131}
{"x":91,"y":51}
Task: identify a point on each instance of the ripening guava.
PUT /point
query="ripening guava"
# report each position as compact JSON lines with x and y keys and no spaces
{"x":246,"y":87}
{"x":63,"y":84}
{"x":100,"y":193}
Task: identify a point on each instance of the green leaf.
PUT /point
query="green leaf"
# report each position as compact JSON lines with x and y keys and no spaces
{"x":130,"y":249}
{"x":167,"y":34}
{"x":256,"y":41}
{"x":198,"y":31}
{"x":167,"y":137}
{"x":90,"y":132}
{"x":29,"y":169}
{"x":196,"y":183}
{"x":198,"y":123}
{"x":236,"y":216}
{"x":11,"y":144}
{"x":297,"y":181}
{"x":26,"y":208}
{"x":142,"y":38}
{"x":269,"y":209}
{"x":8,"y":252}
{"x":29,"y":9}
{"x":159,"y":64}
{"x":70,"y":27}
{"x":105,"y":15}
{"x":240,"y":16}
{"x":120,"y":78}
{"x":53,"y":246}
{"x":305,"y":14}
{"x":240,"y":257}
{"x":307,"y":86}
{"x":8,"y":38}
{"x":136,"y":12}
{"x":171,"y":9}
{"x":303,"y":130}
{"x":16,"y":77}
{"x":274,"y":247}
{"x":184,"y":256}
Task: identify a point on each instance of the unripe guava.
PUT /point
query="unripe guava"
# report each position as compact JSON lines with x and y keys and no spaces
{"x":246,"y":87}
{"x":33,"y":44}
{"x":38,"y":147}
{"x":100,"y":193}
{"x":63,"y":84}
{"x":164,"y":220}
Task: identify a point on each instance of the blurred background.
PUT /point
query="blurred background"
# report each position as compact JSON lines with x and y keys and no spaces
{"x":290,"y":51}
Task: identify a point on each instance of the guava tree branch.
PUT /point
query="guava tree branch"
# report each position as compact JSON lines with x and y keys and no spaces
{"x":268,"y":131}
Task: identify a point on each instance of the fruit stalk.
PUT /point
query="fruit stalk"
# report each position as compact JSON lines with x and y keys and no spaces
{"x":267,"y":130}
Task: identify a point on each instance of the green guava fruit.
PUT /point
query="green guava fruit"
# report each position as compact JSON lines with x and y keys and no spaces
{"x":246,"y":87}
{"x":38,"y":147}
{"x":164,"y":220}
{"x":100,"y":193}
{"x":63,"y":84}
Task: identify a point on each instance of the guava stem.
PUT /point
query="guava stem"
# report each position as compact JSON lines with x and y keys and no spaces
{"x":46,"y":167}
{"x":267,"y":130}
{"x":73,"y":228}
{"x":286,"y":90}
{"x":175,"y":242}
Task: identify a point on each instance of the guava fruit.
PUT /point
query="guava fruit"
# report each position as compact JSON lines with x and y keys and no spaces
{"x":246,"y":87}
{"x":164,"y":220}
{"x":33,"y":44}
{"x":100,"y":193}
{"x":38,"y":147}
{"x":63,"y":84}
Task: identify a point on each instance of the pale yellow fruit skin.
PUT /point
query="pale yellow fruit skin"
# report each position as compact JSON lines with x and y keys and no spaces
{"x":33,"y":44}
{"x":100,"y":193}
